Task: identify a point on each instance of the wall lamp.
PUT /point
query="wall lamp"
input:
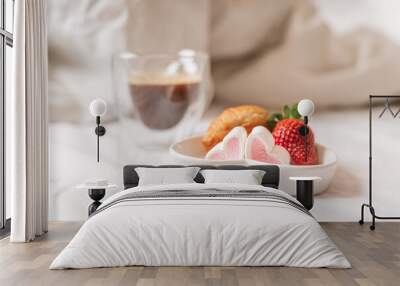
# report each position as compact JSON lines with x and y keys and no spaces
{"x":98,"y":108}
{"x":305,"y":109}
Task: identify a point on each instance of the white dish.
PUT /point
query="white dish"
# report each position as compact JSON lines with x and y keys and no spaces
{"x":191,"y":151}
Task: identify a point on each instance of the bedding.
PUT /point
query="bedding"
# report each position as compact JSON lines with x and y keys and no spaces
{"x":201,"y":224}
{"x":249,"y":177}
{"x":160,"y":176}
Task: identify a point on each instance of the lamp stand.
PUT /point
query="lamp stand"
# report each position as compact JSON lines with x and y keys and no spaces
{"x":100,"y":131}
{"x":304,"y":132}
{"x":305,"y":138}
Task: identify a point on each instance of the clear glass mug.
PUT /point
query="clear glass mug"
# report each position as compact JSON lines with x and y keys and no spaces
{"x":165,"y":93}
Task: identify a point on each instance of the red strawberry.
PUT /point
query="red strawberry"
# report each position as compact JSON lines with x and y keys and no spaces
{"x":287,"y":134}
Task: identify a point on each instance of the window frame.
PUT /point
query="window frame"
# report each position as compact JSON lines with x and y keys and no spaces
{"x":6,"y":39}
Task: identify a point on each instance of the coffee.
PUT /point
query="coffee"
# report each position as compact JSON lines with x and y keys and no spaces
{"x":161,"y":103}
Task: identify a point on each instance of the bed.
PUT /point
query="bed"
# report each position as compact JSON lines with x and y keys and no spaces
{"x":199,"y":224}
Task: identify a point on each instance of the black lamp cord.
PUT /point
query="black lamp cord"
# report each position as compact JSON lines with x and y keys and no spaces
{"x":305,"y":137}
{"x":100,"y":131}
{"x":98,"y":137}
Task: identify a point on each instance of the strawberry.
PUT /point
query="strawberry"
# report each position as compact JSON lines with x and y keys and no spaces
{"x":289,"y":133}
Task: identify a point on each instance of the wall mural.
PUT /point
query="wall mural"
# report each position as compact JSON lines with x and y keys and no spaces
{"x":199,"y":88}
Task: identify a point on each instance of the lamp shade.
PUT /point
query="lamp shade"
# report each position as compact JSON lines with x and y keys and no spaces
{"x":305,"y":107}
{"x":98,"y":107}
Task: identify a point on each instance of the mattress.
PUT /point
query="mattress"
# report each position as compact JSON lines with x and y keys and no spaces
{"x":201,"y":224}
{"x":73,"y":161}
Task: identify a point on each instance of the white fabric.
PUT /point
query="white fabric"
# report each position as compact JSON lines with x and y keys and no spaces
{"x":165,"y":176}
{"x":256,"y":48}
{"x":200,"y":232}
{"x":85,"y":35}
{"x":26,"y":120}
{"x":245,"y":177}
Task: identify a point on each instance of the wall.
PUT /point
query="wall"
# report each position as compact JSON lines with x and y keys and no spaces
{"x":80,"y":70}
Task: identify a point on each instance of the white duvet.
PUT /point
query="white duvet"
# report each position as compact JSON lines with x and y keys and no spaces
{"x":200,"y":231}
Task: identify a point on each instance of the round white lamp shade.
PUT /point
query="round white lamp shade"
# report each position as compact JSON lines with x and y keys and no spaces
{"x":98,"y":107}
{"x":305,"y":107}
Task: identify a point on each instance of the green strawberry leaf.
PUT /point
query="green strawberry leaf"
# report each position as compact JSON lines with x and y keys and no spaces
{"x":270,"y":125}
{"x":276,"y":116}
{"x":294,"y":113}
{"x":286,"y":111}
{"x":273,"y":120}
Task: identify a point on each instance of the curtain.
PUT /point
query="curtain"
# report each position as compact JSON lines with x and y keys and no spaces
{"x":26,"y":119}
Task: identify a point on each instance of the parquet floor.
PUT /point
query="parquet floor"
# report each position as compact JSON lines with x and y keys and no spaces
{"x":375,"y":257}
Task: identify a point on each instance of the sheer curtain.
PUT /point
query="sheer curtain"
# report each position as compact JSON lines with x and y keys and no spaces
{"x":26,"y":119}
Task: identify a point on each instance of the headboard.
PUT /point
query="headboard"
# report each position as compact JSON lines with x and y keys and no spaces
{"x":271,"y":177}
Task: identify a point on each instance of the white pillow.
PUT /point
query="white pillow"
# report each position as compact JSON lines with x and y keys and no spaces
{"x":247,"y":177}
{"x":163,"y":176}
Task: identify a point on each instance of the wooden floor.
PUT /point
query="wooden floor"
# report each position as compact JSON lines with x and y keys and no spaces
{"x":375,"y":257}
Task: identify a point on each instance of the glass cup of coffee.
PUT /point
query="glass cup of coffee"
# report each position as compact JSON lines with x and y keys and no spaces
{"x":165,"y":93}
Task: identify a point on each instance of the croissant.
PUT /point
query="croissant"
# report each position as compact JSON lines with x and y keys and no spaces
{"x":248,"y":116}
